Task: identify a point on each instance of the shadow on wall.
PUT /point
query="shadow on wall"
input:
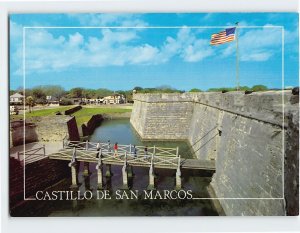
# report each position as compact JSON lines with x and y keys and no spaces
{"x":204,"y":144}
{"x":205,"y":138}
{"x":73,"y":130}
{"x":18,"y":132}
{"x":92,"y":124}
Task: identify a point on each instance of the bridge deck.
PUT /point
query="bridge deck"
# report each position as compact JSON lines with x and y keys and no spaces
{"x":195,"y":164}
{"x":198,"y":164}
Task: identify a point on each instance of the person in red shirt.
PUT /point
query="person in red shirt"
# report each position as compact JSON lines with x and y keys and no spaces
{"x":116,"y":149}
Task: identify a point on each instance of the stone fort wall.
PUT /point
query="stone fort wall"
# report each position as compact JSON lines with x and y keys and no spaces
{"x":245,"y":134}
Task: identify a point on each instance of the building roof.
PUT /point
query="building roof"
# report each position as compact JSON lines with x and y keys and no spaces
{"x":17,"y":95}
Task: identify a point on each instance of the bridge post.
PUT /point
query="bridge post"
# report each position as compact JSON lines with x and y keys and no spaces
{"x":151,"y":185}
{"x":178,"y":175}
{"x":63,"y":141}
{"x":108,"y":171}
{"x":99,"y":169}
{"x":74,"y":177}
{"x":124,"y":173}
{"x":86,"y":169}
{"x":130,"y":171}
{"x":86,"y":145}
{"x":73,"y":166}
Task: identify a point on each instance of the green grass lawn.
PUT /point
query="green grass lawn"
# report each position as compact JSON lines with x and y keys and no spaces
{"x":83,"y":115}
{"x":47,"y":112}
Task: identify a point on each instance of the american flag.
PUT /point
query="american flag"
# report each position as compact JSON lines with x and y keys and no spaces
{"x":222,"y":37}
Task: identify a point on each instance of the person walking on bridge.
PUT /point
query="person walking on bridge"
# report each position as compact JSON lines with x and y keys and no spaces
{"x":98,"y":149}
{"x":146,"y":152}
{"x":116,"y":149}
{"x":108,"y":146}
{"x":134,"y":151}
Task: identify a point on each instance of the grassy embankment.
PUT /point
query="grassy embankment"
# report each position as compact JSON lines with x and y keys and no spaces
{"x":82,"y":116}
{"x":46,"y":112}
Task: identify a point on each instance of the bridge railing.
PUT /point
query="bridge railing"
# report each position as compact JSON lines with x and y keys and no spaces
{"x":32,"y":155}
{"x":140,"y":150}
{"x":90,"y":150}
{"x":171,"y":161}
{"x":65,"y":153}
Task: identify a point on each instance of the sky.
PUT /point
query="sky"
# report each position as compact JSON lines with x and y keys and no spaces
{"x":131,"y":50}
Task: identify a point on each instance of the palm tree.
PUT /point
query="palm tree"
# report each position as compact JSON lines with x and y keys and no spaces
{"x":30,"y":102}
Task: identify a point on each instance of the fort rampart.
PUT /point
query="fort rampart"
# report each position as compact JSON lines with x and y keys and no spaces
{"x":253,"y":138}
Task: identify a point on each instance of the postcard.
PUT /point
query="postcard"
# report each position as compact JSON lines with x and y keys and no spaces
{"x":154,"y":114}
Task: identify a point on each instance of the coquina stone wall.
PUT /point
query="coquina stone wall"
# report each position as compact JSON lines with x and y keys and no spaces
{"x":44,"y":129}
{"x":162,"y":116}
{"x":253,"y":139}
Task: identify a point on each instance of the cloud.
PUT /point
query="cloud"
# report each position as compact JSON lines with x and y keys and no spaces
{"x":112,"y":47}
{"x":197,"y":51}
{"x":118,"y":47}
{"x":186,"y":45}
{"x":124,"y":20}
{"x":45,"y":52}
{"x":256,"y":44}
{"x":15,"y":31}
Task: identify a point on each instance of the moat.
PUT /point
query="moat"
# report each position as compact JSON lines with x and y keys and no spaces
{"x":122,"y":132}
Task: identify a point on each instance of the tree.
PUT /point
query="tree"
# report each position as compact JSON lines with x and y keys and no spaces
{"x":138,"y":88}
{"x":195,"y":90}
{"x":38,"y":93}
{"x":89,"y":93}
{"x":55,"y":91}
{"x":241,"y":88}
{"x":65,"y":101}
{"x":76,"y":92}
{"x":40,"y":101}
{"x":102,"y":92}
{"x":28,"y":92}
{"x":30,"y":103}
{"x":20,"y":90}
{"x":259,"y":88}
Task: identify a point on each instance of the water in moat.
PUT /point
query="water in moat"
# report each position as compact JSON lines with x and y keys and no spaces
{"x":122,"y":132}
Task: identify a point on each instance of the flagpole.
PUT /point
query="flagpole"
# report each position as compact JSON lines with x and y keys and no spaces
{"x":237,"y":58}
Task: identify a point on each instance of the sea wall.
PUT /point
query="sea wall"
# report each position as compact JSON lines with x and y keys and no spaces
{"x":91,"y":125}
{"x":21,"y":132}
{"x":247,"y":135}
{"x":72,"y":110}
{"x":54,"y":128}
{"x":44,"y":129}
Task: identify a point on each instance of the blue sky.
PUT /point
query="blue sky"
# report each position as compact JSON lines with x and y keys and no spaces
{"x":122,"y":58}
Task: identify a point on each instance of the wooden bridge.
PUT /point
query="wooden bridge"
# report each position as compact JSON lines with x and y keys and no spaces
{"x":126,"y":156}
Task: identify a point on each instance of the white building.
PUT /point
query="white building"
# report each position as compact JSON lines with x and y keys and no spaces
{"x":52,"y":101}
{"x":16,"y":99}
{"x":94,"y":101}
{"x":114,"y":99}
